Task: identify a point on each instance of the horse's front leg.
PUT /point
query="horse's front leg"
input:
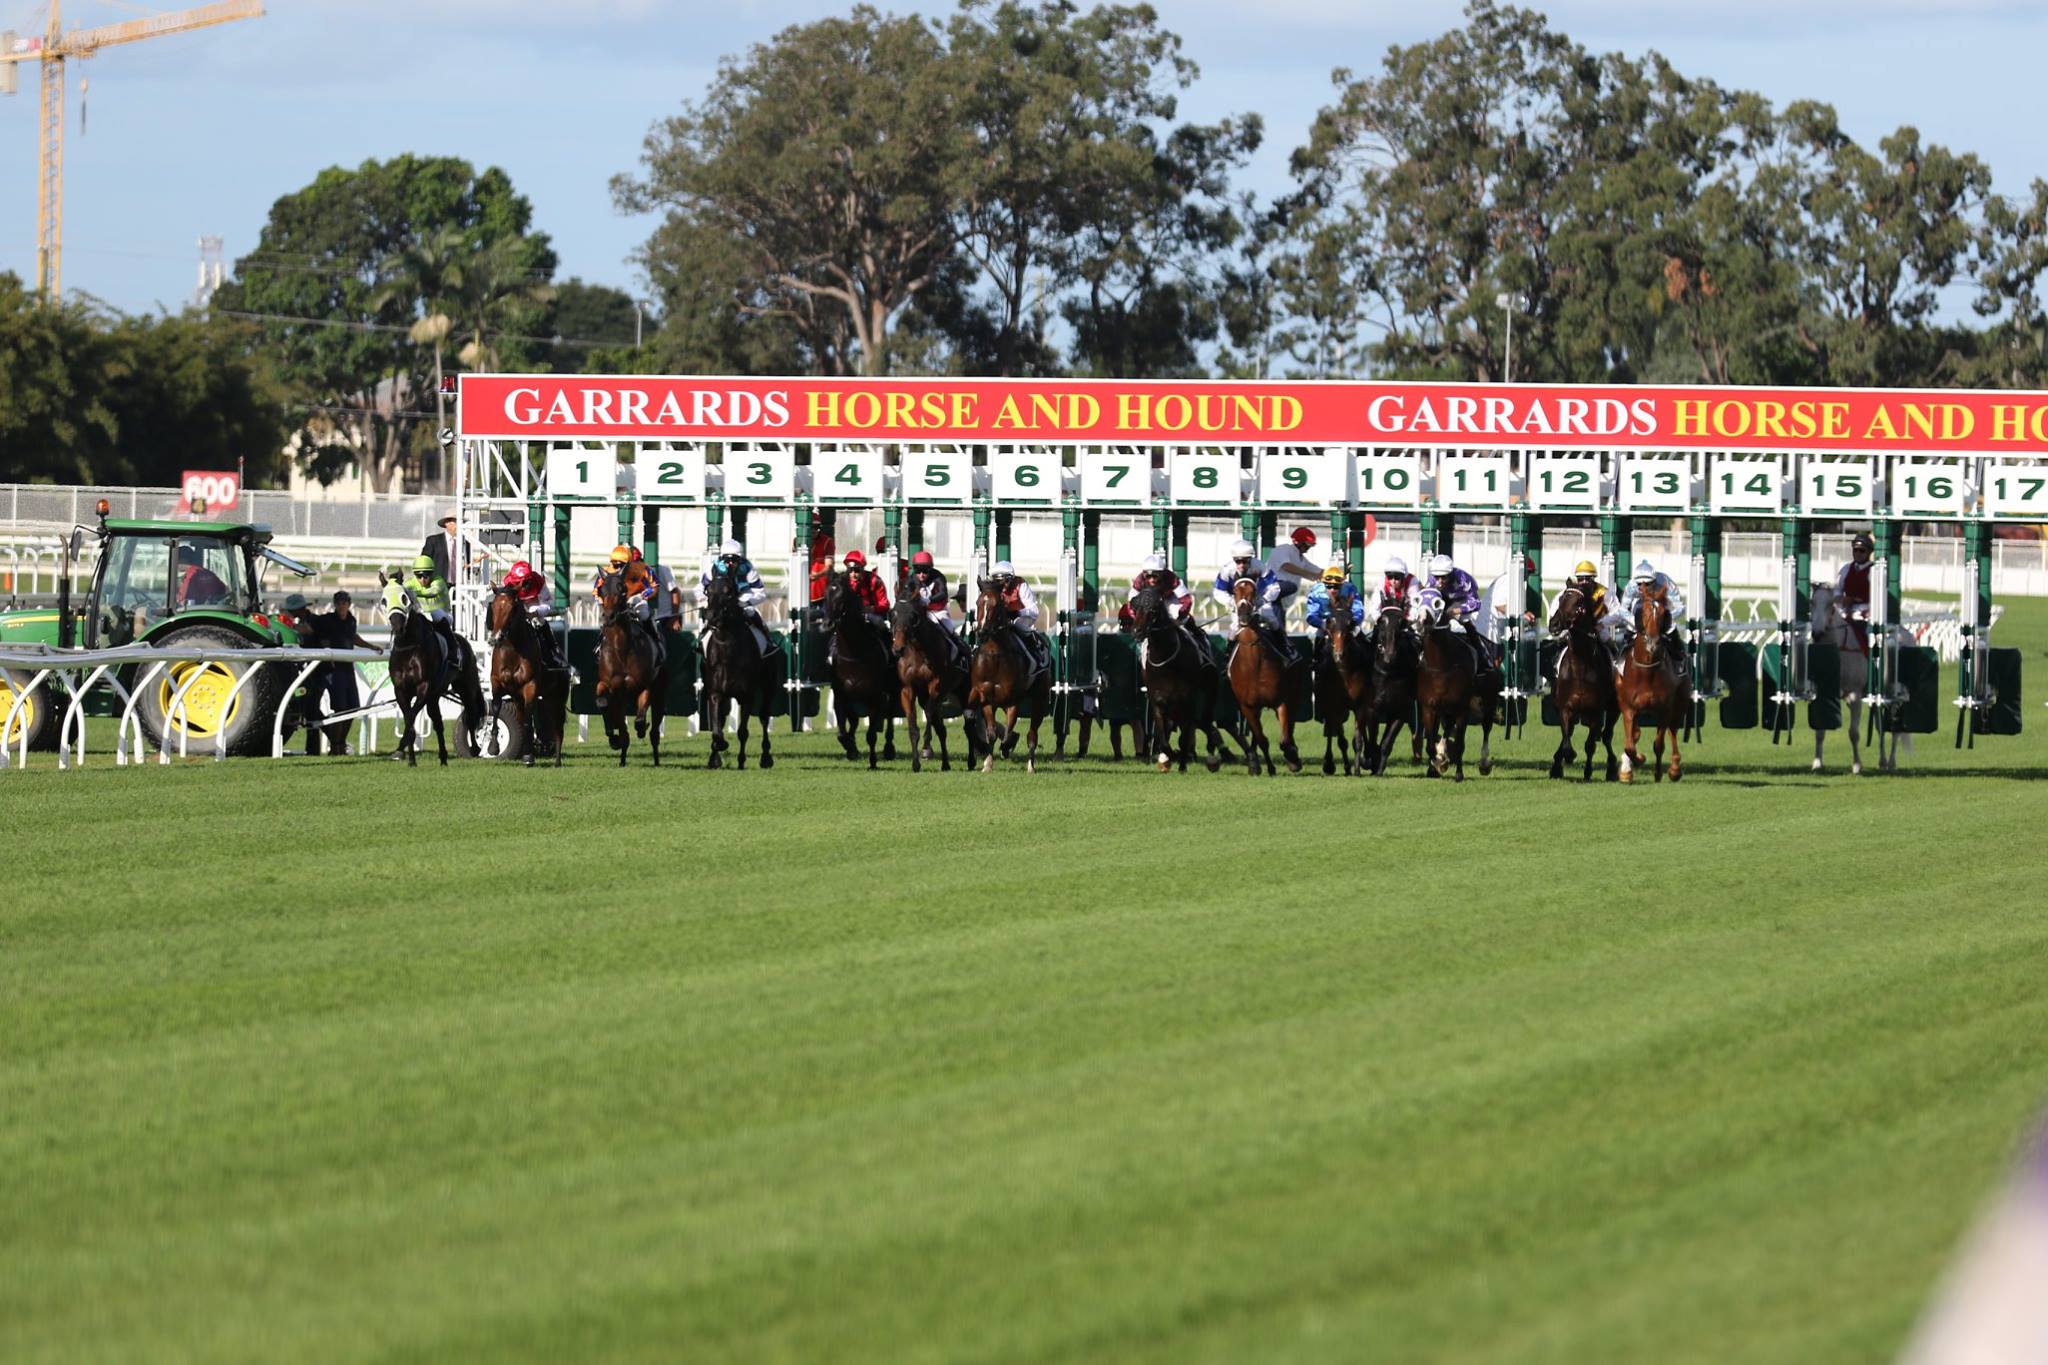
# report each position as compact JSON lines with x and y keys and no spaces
{"x":1565,"y":750}
{"x":889,"y":744}
{"x":1010,"y":735}
{"x":440,"y":734}
{"x":1287,"y":749}
{"x":1255,"y":749}
{"x":1856,"y":738}
{"x":874,"y":736}
{"x":619,"y":726}
{"x":1486,"y":718}
{"x":908,"y":700}
{"x":849,"y":726}
{"x":1333,"y":733}
{"x":935,"y":724}
{"x":657,"y":707}
{"x":1677,"y":769}
{"x":1820,"y":739}
{"x":988,"y":738}
{"x":1630,"y":732}
{"x":714,"y":712}
{"x":742,"y":705}
{"x":1426,"y":732}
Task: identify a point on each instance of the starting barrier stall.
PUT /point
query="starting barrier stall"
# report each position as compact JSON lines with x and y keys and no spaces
{"x":537,"y":450}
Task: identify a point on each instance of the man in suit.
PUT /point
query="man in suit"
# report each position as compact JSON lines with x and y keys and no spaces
{"x":442,"y":548}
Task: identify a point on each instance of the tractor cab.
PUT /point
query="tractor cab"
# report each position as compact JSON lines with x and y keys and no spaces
{"x":153,"y":576}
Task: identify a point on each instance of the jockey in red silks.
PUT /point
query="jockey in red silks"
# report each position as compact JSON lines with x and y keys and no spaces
{"x":1852,"y":589}
{"x":867,"y":586}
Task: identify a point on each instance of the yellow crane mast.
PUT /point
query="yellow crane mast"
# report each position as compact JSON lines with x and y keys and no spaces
{"x":53,"y":49}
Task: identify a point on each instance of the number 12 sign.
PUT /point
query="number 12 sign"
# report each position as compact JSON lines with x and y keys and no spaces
{"x":1571,"y":482}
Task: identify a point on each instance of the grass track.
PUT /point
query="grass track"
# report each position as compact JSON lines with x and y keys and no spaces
{"x":327,"y":1060}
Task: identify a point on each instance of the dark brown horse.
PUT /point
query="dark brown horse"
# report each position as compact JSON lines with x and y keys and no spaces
{"x":1394,"y":663}
{"x":1004,"y":677}
{"x":1448,"y":691}
{"x":632,"y":671}
{"x":929,"y":675}
{"x":1259,"y":679}
{"x":863,"y":673}
{"x":1583,"y":688}
{"x":734,"y":672}
{"x":1344,"y":687}
{"x":1180,"y":682}
{"x":1654,"y":684}
{"x":423,"y":671}
{"x":520,"y":675}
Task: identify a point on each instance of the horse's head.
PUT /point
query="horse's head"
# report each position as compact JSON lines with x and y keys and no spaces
{"x":611,"y":593}
{"x":1244,"y":600}
{"x":991,"y":613}
{"x":1148,"y":608}
{"x":1389,"y":628}
{"x":1434,"y":610}
{"x":903,"y":620}
{"x":503,"y":611}
{"x":1653,"y":621}
{"x":840,"y":602}
{"x":722,"y":601}
{"x":1574,"y":609}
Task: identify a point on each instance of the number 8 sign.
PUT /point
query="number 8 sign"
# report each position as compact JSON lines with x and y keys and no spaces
{"x":1197,"y":477}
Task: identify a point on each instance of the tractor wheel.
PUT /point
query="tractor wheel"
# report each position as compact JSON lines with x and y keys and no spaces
{"x":37,"y":713}
{"x":247,"y":723}
{"x":508,"y":742}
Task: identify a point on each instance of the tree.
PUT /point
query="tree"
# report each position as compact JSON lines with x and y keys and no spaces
{"x":321,"y":281}
{"x":586,"y":319}
{"x":823,"y":160}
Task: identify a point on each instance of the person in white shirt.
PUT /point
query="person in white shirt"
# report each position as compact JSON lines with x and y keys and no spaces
{"x":1291,"y":566}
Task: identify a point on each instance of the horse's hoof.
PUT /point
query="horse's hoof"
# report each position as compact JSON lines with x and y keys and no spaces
{"x":1164,"y":762}
{"x":1030,"y":765}
{"x":767,"y":761}
{"x":1485,"y":767}
{"x":916,"y":764}
{"x":1855,"y":770}
{"x":714,"y":762}
{"x":889,"y":753}
{"x":1215,"y":762}
{"x":1330,"y":768}
{"x":988,"y":765}
{"x":1676,"y":774}
{"x":1557,"y":770}
{"x":1816,"y":765}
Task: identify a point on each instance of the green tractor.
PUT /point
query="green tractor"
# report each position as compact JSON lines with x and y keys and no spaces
{"x":179,"y":584}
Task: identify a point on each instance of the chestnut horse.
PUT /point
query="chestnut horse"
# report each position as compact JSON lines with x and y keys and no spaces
{"x":1583,"y":688}
{"x":1654,"y":684}
{"x":632,"y":671}
{"x":1004,"y":677}
{"x":520,"y":674}
{"x":1258,"y":680}
{"x":1344,"y":685}
{"x":929,"y":677}
{"x":1449,"y":691}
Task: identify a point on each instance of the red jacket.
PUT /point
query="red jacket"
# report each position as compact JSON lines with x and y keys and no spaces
{"x":868,"y":587}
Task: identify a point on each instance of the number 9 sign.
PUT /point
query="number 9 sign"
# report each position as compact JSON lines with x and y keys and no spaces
{"x":1300,"y":476}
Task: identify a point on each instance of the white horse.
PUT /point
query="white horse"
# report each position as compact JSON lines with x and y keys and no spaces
{"x":1836,"y":625}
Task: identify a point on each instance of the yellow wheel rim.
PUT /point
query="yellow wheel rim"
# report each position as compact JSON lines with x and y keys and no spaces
{"x":206,"y":708}
{"x":28,"y":713}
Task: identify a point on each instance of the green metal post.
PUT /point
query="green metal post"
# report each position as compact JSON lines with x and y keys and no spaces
{"x":1615,"y":535}
{"x":562,"y":556}
{"x":1976,"y":622}
{"x":983,"y":515}
{"x":739,"y":528}
{"x":536,"y":531}
{"x":714,"y":525}
{"x":798,"y":645}
{"x":1179,"y":550}
{"x":625,"y":510}
{"x":1342,"y":551}
{"x":1262,"y":528}
{"x":1706,"y":613}
{"x":1435,"y":536}
{"x":1091,"y":555}
{"x":913,"y":530}
{"x":892,"y":531}
{"x":650,"y":532}
{"x":1003,"y":516}
{"x":1162,"y":532}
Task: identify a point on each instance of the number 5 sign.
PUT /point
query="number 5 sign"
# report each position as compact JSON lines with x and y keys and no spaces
{"x":213,"y":490}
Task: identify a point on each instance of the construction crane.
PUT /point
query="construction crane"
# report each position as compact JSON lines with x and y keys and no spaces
{"x":53,"y":49}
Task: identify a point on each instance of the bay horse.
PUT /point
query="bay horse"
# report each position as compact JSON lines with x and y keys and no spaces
{"x":520,"y":674}
{"x":1344,"y":687}
{"x":1003,"y":676}
{"x":863,"y":673}
{"x":928,"y":675}
{"x":1653,"y":683}
{"x":1583,"y":688}
{"x":632,"y":671}
{"x":1394,"y":665}
{"x":1258,"y":680}
{"x":735,"y":669}
{"x":423,"y":671}
{"x":1833,"y":624}
{"x":1448,"y":691}
{"x":1180,"y":682}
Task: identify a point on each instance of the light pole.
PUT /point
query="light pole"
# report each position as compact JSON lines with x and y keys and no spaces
{"x":1508,"y":304}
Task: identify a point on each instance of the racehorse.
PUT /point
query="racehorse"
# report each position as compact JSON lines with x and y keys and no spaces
{"x":1180,"y":682}
{"x":1448,"y":689}
{"x":863,"y":674}
{"x":930,"y":673}
{"x":1653,"y":683}
{"x":1344,"y":683}
{"x":1583,"y":688}
{"x":520,"y":674}
{"x":734,"y":670}
{"x":1004,"y":676}
{"x":632,"y":671}
{"x":1851,"y":638}
{"x":422,"y":672}
{"x":1394,"y":666}
{"x":1258,"y":680}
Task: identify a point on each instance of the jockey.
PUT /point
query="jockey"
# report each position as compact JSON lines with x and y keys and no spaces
{"x":730,"y":561}
{"x":667,"y":601}
{"x":1397,"y":586}
{"x":539,"y":602}
{"x":1852,"y":588}
{"x":1460,"y":592}
{"x":1291,"y":566}
{"x":1154,"y":574}
{"x":868,"y":587}
{"x":1611,"y":624}
{"x":640,"y":584}
{"x":430,"y":594}
{"x":1646,"y":576}
{"x":1244,"y":563}
{"x":1333,"y":594}
{"x":1023,"y":605}
{"x":928,"y":587}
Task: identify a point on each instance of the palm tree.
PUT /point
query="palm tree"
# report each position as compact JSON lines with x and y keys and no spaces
{"x":425,"y":274}
{"x":492,"y":287}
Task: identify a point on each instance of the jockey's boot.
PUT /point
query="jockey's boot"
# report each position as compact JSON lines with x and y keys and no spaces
{"x":458,"y":651}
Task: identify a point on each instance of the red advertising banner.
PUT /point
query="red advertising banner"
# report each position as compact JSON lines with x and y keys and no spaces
{"x":1222,"y":412}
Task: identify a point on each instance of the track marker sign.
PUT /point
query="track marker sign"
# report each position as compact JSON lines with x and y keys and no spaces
{"x":210,"y":490}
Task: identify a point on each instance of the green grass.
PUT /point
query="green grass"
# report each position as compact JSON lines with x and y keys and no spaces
{"x":329,"y":1060}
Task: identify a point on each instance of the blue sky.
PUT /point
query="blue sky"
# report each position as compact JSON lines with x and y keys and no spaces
{"x":199,"y":133}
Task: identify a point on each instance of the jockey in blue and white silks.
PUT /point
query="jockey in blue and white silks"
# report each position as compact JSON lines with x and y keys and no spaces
{"x":1245,"y":563}
{"x":1332,"y":594}
{"x":1648,"y":575}
{"x":731,"y":562}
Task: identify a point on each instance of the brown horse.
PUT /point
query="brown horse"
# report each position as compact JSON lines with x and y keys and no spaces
{"x":423,"y":671}
{"x":1449,"y":692}
{"x":929,"y":676}
{"x":632,"y":671}
{"x":1394,"y":665}
{"x":1583,"y":688}
{"x":1259,"y":679}
{"x":1180,"y":682}
{"x":863,"y":674}
{"x":1003,"y":677}
{"x":1654,"y":683}
{"x":735,"y":674}
{"x":1344,"y":686}
{"x":520,"y":675}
